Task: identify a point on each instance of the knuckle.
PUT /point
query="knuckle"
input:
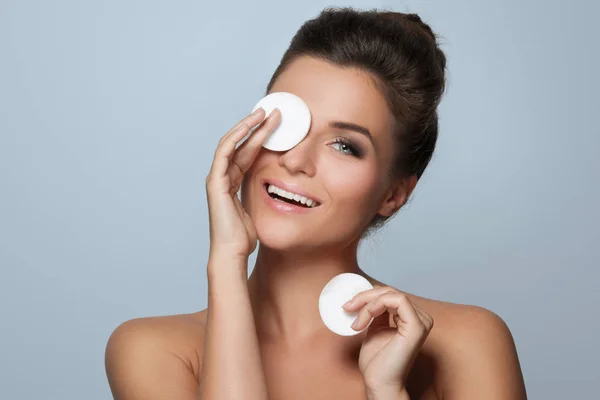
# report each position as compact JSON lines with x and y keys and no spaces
{"x":388,"y":295}
{"x":374,"y":304}
{"x":431,"y":323}
{"x":243,"y":127}
{"x":430,"y":318}
{"x":403,"y":297}
{"x":210,"y":184}
{"x":219,"y":150}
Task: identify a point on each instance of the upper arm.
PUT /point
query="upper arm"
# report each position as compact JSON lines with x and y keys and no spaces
{"x":482,"y":360}
{"x":139,"y":365}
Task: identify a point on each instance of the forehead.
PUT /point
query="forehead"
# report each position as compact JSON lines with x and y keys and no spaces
{"x":335,"y":93}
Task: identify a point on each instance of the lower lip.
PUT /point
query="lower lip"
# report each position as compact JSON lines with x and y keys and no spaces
{"x":282,"y":206}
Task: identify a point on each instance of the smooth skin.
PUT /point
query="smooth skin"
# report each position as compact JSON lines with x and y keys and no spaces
{"x":261,"y":337}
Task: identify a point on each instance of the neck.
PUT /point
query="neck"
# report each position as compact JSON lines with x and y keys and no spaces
{"x":285,"y":286}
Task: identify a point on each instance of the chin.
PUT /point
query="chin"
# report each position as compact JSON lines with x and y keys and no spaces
{"x":278,"y":234}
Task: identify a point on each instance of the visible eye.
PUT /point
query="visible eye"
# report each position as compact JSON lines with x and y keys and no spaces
{"x":348,"y":144}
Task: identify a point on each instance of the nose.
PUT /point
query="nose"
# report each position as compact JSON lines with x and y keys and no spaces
{"x":299,"y":158}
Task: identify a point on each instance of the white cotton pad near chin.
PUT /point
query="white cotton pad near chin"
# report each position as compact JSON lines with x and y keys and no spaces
{"x":336,"y":292}
{"x":294,"y":124}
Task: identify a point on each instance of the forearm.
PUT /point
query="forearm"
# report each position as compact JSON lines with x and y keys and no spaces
{"x":232,"y":366}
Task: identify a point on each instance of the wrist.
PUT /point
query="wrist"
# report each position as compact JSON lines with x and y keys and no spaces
{"x":222,"y":264}
{"x":387,"y":393}
{"x":221,"y":253}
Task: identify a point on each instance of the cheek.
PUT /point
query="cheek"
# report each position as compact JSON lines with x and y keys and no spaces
{"x":355,"y":186}
{"x":262,"y":160}
{"x":263,"y":157}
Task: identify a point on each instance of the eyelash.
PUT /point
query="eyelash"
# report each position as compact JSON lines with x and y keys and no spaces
{"x":342,"y":140}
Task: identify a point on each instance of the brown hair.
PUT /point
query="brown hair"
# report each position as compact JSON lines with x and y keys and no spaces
{"x":401,"y":54}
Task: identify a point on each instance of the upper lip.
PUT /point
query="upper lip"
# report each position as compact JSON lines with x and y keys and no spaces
{"x":291,"y":188}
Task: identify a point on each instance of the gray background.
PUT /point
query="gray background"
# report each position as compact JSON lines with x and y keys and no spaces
{"x":109,"y":115}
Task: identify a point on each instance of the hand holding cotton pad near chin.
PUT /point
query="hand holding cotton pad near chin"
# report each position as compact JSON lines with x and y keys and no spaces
{"x":334,"y":295}
{"x":294,"y":124}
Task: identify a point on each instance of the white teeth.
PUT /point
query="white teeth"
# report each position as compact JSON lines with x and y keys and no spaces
{"x":292,"y":196}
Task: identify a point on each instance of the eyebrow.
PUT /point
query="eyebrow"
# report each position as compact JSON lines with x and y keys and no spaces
{"x":352,"y":127}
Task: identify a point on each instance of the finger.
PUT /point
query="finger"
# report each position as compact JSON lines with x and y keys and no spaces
{"x":362,"y":298}
{"x":246,"y":153}
{"x":369,"y":310}
{"x":426,"y":319}
{"x":392,"y":302}
{"x":238,"y":132}
{"x":264,"y":121}
{"x":223,"y":153}
{"x":226,"y":147}
{"x":250,"y":120}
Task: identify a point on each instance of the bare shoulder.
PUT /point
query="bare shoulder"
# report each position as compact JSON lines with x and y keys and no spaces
{"x":141,"y":352}
{"x":480,"y":356}
{"x":454,"y":321}
{"x":473,"y":351}
{"x":460,"y":327}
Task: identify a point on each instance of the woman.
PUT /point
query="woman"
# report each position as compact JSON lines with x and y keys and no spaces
{"x":262,"y":337}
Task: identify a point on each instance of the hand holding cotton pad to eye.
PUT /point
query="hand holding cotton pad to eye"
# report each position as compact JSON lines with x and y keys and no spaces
{"x":294,"y":124}
{"x":334,"y":295}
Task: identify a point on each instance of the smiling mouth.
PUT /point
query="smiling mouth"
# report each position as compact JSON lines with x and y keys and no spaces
{"x":277,"y":197}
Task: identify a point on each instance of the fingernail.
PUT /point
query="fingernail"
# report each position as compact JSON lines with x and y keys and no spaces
{"x":355,"y":323}
{"x":257,"y":110}
{"x":347,"y":304}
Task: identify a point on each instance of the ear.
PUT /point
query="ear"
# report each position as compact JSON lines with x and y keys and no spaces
{"x":397,"y":195}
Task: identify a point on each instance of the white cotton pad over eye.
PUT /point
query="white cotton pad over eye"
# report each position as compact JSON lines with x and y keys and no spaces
{"x":334,"y":295}
{"x":294,"y":124}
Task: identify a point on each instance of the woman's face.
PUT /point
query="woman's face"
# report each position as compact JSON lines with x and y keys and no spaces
{"x":349,"y":179}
